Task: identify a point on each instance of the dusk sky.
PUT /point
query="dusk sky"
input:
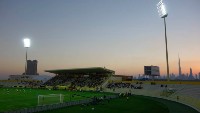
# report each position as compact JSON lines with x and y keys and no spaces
{"x":121,"y":35}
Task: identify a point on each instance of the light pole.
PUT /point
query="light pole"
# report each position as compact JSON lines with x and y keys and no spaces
{"x":163,"y":14}
{"x":27,"y":44}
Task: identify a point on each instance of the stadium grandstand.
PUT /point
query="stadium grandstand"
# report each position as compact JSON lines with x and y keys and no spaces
{"x":98,"y":78}
{"x":24,"y":81}
{"x":80,"y":78}
{"x":87,"y":83}
{"x":21,"y":83}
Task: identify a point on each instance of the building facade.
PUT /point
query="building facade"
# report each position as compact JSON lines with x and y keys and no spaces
{"x":151,"y":70}
{"x":31,"y":67}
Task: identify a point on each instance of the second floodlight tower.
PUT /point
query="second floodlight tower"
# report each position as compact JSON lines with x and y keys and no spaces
{"x":163,"y":14}
{"x":27,"y":44}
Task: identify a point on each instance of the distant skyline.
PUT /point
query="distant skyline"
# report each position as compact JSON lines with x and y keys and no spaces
{"x":122,"y":35}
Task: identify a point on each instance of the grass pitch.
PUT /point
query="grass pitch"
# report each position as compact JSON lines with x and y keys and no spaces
{"x":135,"y":104}
{"x":18,"y":98}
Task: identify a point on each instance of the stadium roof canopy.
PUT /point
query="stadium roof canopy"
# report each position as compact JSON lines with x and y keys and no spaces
{"x":82,"y":71}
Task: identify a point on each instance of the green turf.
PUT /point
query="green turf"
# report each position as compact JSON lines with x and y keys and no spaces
{"x":135,"y":104}
{"x":12,"y":99}
{"x":17,"y":98}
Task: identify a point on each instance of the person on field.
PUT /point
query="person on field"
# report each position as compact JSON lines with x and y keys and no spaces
{"x":177,"y":98}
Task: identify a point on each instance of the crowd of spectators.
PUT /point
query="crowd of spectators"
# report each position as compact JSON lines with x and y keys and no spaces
{"x":60,"y":79}
{"x":76,"y":81}
{"x":124,"y":85}
{"x":30,"y":83}
{"x":90,"y":82}
{"x":119,"y":85}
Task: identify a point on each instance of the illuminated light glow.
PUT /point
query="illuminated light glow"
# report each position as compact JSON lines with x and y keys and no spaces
{"x":27,"y":42}
{"x":162,"y":9}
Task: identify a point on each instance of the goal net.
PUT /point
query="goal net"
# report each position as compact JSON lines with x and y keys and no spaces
{"x":50,"y":99}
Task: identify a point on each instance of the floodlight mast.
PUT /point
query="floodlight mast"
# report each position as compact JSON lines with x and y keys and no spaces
{"x":163,"y":14}
{"x":27,"y":44}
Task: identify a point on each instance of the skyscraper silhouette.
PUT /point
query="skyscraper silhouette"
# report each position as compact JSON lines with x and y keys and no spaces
{"x":191,"y":75}
{"x":199,"y":75}
{"x":179,"y":65}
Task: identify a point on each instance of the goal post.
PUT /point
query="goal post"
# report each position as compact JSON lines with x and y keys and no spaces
{"x":50,"y":99}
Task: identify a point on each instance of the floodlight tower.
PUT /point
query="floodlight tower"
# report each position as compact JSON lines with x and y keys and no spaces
{"x":27,"y":44}
{"x":163,"y":14}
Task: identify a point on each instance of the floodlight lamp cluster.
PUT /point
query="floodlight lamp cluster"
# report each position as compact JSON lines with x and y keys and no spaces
{"x":162,"y":9}
{"x":27,"y":42}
